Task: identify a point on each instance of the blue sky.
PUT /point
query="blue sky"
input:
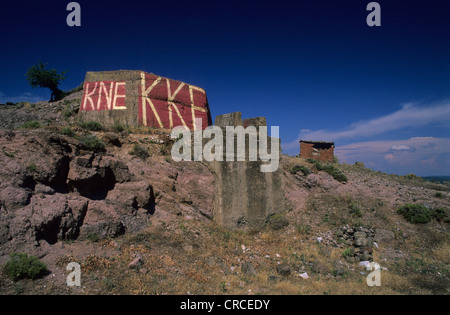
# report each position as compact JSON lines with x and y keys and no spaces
{"x":313,"y":68}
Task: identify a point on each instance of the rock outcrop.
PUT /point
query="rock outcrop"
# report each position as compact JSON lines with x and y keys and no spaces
{"x":53,"y":190}
{"x":136,"y":98}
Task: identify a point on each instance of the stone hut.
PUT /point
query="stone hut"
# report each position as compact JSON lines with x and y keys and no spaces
{"x":317,"y":150}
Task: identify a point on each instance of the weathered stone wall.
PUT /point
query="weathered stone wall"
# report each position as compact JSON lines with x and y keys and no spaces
{"x":135,"y":98}
{"x":321,"y":151}
{"x":244,"y":196}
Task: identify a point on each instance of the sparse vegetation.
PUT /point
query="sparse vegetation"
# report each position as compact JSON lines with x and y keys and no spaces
{"x":164,"y":149}
{"x":438,"y":194}
{"x":355,"y":210}
{"x":71,"y":108}
{"x":303,"y":229}
{"x":32,"y":167}
{"x":67,"y":131}
{"x":140,"y":152}
{"x":300,"y":168}
{"x":439,"y":214}
{"x":277,"y":221}
{"x":117,"y":127}
{"x":91,"y":143}
{"x":349,"y":252}
{"x":32,"y":124}
{"x":330,"y":169}
{"x":93,"y":237}
{"x":416,"y":213}
{"x":24,"y":266}
{"x":91,"y":126}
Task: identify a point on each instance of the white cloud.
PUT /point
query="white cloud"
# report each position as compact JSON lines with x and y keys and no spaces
{"x":409,"y":115}
{"x":402,"y":147}
{"x":420,"y":155}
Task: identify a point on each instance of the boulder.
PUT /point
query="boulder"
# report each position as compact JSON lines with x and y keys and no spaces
{"x":110,"y":166}
{"x":382,"y":235}
{"x":47,"y":219}
{"x":13,"y":198}
{"x":284,"y":269}
{"x":248,"y":269}
{"x":93,"y":176}
{"x":112,"y":138}
{"x":53,"y":218}
{"x":136,"y":263}
{"x":102,"y":220}
{"x":133,"y":195}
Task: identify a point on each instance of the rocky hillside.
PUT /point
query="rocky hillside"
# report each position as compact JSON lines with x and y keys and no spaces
{"x":112,"y":200}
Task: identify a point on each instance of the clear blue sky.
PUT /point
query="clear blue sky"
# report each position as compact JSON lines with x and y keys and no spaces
{"x":313,"y":68}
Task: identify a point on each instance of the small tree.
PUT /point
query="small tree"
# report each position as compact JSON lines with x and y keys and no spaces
{"x":39,"y":76}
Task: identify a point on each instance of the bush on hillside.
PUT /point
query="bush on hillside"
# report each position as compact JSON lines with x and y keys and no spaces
{"x":23,"y":266}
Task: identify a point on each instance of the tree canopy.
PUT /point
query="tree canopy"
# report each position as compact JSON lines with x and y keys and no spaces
{"x":39,"y":76}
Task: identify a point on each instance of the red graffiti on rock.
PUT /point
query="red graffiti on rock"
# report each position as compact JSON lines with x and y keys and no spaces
{"x":159,"y":102}
{"x":104,"y":95}
{"x":167,"y":103}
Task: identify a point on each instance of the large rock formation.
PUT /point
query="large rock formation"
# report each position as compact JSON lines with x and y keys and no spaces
{"x":52,"y":190}
{"x":135,"y":98}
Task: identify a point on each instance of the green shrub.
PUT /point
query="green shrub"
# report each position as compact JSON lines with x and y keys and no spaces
{"x":302,"y":228}
{"x":140,"y":152}
{"x":32,"y":124}
{"x":439,"y":214}
{"x":438,"y":194}
{"x":277,"y":221}
{"x":118,"y":127}
{"x":330,"y":169}
{"x":32,"y":167}
{"x":67,"y":131}
{"x":415,"y":213}
{"x":349,"y":252}
{"x":92,"y":143}
{"x":69,"y":111}
{"x":91,"y":126}
{"x":21,"y":266}
{"x":300,"y":168}
{"x":164,"y":149}
{"x":93,"y":237}
{"x":355,"y":210}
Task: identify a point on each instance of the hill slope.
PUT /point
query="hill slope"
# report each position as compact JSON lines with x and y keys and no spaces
{"x":106,"y":198}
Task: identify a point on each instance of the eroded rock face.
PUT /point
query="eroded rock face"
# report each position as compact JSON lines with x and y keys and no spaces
{"x":93,"y":176}
{"x":51,"y":191}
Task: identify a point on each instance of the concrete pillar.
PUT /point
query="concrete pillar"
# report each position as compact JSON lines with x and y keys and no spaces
{"x":244,"y":196}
